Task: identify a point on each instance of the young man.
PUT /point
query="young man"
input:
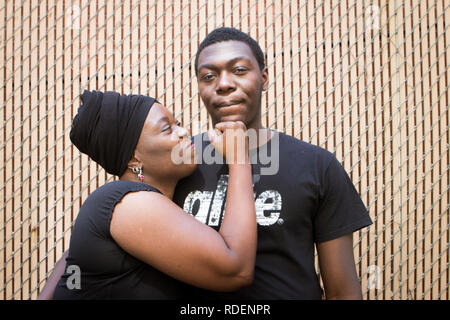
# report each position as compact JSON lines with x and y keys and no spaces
{"x":303,"y":196}
{"x":307,"y":200}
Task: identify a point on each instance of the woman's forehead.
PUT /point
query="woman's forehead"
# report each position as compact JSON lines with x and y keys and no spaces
{"x":157,"y":114}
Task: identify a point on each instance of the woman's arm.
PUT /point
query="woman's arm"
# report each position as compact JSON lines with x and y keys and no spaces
{"x":337,"y":268}
{"x":50,"y":285}
{"x":155,"y":230}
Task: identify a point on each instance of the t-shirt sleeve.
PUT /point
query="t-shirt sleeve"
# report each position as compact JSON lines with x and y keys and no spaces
{"x":108,"y":199}
{"x":341,"y":210}
{"x":92,"y":246}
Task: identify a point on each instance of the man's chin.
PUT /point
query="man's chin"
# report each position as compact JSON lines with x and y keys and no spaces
{"x":231,"y":117}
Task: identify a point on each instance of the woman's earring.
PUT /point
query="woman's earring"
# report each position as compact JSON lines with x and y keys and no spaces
{"x":138,"y":171}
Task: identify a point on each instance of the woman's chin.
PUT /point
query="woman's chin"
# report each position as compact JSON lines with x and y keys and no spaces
{"x":186,"y":169}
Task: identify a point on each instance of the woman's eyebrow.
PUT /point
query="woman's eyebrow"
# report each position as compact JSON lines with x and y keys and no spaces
{"x":162,"y":120}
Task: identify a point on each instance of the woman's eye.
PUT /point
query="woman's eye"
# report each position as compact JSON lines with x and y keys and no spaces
{"x":168,"y":128}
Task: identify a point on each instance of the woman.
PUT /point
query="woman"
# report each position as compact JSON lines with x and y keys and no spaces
{"x":130,"y":241}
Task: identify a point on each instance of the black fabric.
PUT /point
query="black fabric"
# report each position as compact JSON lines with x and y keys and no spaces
{"x":311,"y":199}
{"x":107,"y":127}
{"x":106,"y":270}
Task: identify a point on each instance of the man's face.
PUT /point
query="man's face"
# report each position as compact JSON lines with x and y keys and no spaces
{"x":230,"y":83}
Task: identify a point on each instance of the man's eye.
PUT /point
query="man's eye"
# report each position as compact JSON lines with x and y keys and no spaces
{"x":167,"y":128}
{"x":208,"y":77}
{"x":240,"y":70}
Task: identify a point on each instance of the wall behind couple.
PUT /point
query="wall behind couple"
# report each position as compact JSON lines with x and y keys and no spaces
{"x":367,"y":80}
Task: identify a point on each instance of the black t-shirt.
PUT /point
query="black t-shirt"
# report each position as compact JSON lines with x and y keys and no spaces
{"x":310,"y":199}
{"x":104,"y":269}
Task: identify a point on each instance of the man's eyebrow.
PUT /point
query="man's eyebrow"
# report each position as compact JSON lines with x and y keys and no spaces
{"x":234,"y":60}
{"x":231,"y":62}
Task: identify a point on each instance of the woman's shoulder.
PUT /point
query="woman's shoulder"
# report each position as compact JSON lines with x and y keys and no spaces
{"x":109,"y":194}
{"x":121,"y":186}
{"x":98,"y":207}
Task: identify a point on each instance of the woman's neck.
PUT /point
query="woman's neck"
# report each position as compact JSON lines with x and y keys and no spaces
{"x":167,"y":187}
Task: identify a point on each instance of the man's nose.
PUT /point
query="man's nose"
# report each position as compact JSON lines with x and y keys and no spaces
{"x":225,"y":83}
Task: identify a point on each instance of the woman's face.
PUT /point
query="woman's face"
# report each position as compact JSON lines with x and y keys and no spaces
{"x":164,"y":148}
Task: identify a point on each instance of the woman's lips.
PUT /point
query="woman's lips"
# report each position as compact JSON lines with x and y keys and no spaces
{"x":185,"y":145}
{"x":189,"y":145}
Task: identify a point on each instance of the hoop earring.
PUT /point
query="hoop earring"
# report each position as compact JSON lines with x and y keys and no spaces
{"x":138,"y":171}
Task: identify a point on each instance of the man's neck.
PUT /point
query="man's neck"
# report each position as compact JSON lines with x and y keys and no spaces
{"x":263,"y":136}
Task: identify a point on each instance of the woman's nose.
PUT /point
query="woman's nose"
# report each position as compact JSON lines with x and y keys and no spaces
{"x":183,"y":133}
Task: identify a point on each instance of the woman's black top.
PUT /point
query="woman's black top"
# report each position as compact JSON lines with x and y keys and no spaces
{"x":97,"y":267}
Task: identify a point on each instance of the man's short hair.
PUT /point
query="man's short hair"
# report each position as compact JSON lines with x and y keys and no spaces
{"x":230,"y":34}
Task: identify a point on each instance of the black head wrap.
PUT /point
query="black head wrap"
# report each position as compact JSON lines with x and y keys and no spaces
{"x":107,"y":127}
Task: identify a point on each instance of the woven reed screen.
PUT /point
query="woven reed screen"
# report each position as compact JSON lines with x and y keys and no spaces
{"x":367,"y":80}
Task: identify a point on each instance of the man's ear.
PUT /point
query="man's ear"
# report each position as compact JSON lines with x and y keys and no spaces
{"x":265,"y":76}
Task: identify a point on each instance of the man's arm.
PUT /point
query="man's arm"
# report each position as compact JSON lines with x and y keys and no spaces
{"x":338,"y":270}
{"x":50,"y":285}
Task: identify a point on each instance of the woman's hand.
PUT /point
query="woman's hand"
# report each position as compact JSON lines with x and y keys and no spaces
{"x":231,"y":141}
{"x":155,"y":230}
